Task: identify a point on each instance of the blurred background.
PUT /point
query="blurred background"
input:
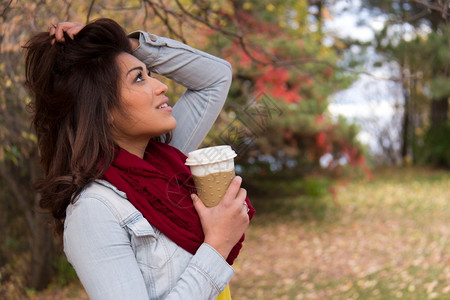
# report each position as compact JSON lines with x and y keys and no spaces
{"x":339,"y":113}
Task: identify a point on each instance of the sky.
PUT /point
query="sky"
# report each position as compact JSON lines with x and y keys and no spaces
{"x":372,"y":100}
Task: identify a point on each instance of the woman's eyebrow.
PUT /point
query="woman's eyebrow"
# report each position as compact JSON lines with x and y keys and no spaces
{"x":134,"y":69}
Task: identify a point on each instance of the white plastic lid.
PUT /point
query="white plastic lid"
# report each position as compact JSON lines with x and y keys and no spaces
{"x":210,"y":155}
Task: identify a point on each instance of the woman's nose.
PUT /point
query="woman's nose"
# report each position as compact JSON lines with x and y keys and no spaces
{"x":159,"y":87}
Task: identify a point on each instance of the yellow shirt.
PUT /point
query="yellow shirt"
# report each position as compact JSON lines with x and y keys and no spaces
{"x":225,"y":295}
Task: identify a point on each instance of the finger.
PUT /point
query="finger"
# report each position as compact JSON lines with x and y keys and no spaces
{"x":71,"y":33}
{"x":65,"y":27}
{"x":198,"y":204}
{"x":233,"y":189}
{"x":246,"y":206}
{"x":74,"y":30}
{"x":241,"y":201}
{"x":59,"y":32}
{"x":52,"y":29}
{"x":241,"y":195}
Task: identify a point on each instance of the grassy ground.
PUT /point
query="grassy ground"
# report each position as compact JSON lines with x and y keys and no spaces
{"x":388,"y":238}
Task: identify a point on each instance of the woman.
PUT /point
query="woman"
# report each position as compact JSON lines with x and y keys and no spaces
{"x":113,"y":157}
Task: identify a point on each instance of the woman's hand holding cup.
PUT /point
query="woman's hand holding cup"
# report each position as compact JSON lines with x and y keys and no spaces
{"x":225,"y":223}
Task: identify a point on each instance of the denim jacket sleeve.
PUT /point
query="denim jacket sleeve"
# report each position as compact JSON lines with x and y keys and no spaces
{"x":206,"y":77}
{"x":98,"y":244}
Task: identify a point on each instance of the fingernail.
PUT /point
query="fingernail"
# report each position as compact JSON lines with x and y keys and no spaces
{"x":193,"y":197}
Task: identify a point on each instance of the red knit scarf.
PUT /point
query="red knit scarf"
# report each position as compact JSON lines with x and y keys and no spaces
{"x":159,"y":186}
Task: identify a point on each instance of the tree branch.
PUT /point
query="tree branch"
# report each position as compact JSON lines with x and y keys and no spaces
{"x":440,"y":6}
{"x":418,"y":16}
{"x":204,"y":22}
{"x":121,"y":7}
{"x":248,"y":48}
{"x":3,"y":14}
{"x":91,"y":6}
{"x":239,"y":36}
{"x":165,"y":18}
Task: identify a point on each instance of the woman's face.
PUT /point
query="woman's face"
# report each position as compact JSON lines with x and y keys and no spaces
{"x":147,"y":113}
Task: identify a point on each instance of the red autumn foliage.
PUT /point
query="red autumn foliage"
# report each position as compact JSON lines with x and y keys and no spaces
{"x":276,"y":82}
{"x":254,"y":59}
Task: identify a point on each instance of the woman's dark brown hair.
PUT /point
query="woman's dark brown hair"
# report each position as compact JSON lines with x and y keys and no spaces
{"x":74,"y":86}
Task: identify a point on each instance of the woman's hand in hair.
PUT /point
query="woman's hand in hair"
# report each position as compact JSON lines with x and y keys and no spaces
{"x":224,"y":224}
{"x":71,"y":28}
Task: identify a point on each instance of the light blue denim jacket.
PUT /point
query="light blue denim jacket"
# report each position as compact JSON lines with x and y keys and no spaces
{"x":115,"y":251}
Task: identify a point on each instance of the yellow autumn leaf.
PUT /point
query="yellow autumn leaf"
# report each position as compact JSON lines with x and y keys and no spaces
{"x":247,"y":6}
{"x":418,"y":131}
{"x":32,"y":137}
{"x":215,"y":6}
{"x":270,"y":7}
{"x":24,"y":134}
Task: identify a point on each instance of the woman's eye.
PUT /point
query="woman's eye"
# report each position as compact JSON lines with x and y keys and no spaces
{"x":139,"y":77}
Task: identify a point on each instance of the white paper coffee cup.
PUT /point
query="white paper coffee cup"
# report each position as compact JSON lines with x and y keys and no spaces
{"x":212,"y":169}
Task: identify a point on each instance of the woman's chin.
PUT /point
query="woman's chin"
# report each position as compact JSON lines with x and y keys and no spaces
{"x":171,"y":125}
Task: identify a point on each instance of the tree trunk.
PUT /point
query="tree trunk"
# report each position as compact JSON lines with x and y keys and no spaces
{"x":439,"y":107}
{"x":439,"y":112}
{"x":40,"y":237}
{"x":42,"y":253}
{"x":42,"y":241}
{"x":405,"y":122}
